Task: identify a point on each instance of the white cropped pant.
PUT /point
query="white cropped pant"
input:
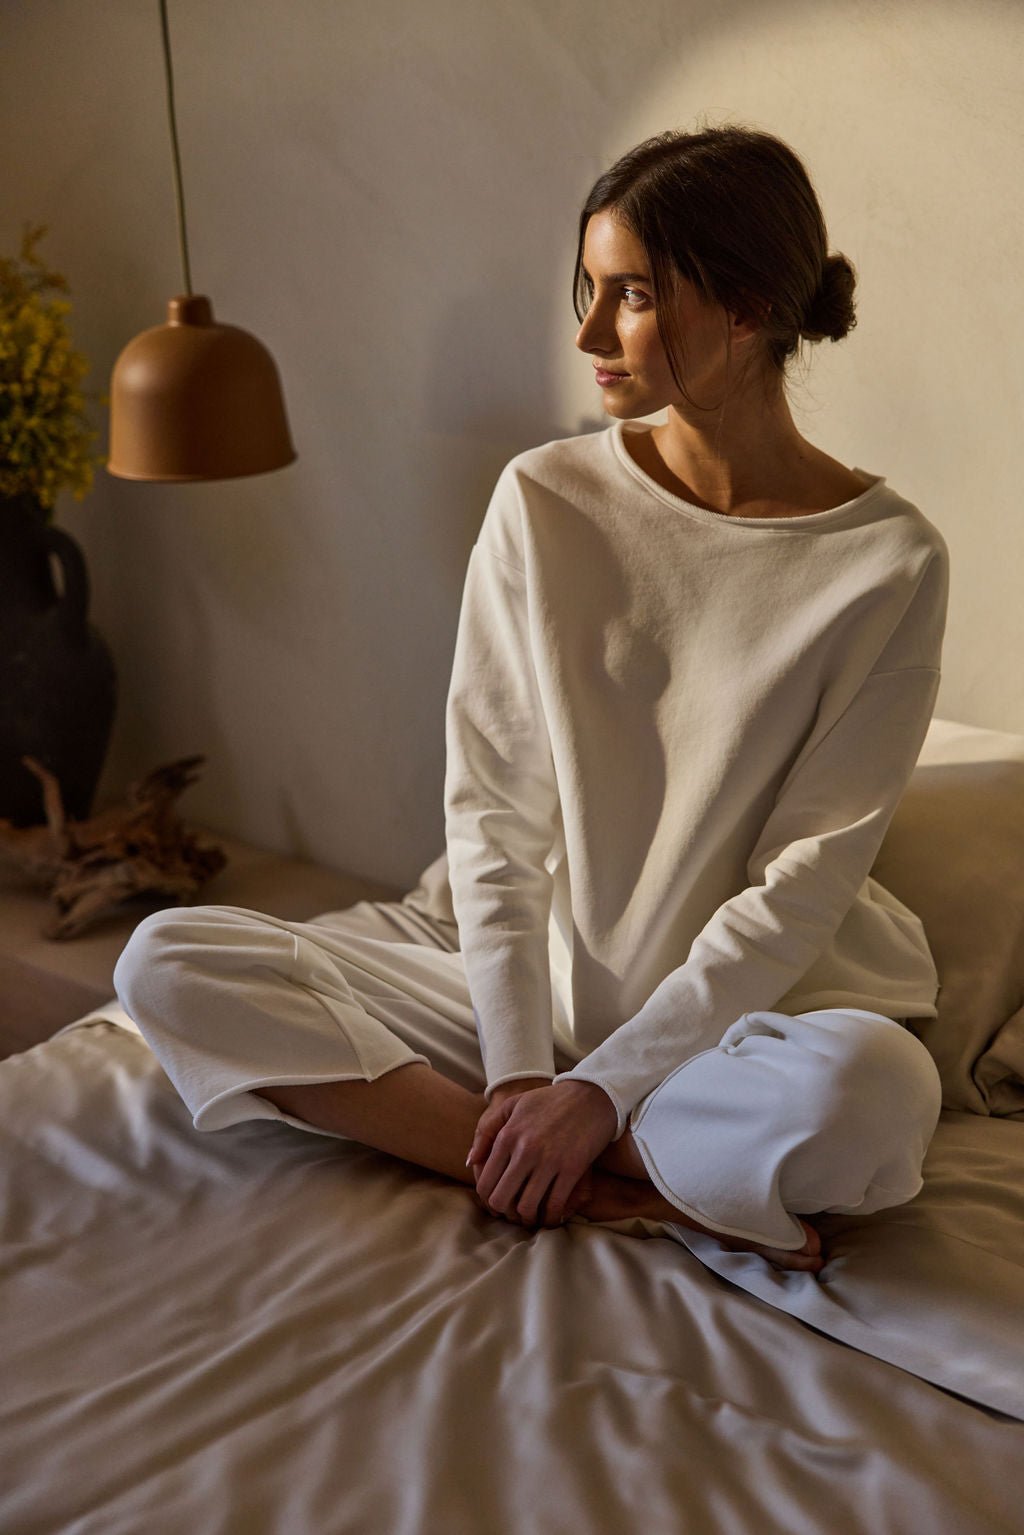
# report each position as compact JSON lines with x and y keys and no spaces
{"x":829,"y":1111}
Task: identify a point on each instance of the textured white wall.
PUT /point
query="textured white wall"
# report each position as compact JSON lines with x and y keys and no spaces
{"x":386,"y":193}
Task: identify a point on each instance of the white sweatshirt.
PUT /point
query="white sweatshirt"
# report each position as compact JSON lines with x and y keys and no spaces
{"x":675,"y":739}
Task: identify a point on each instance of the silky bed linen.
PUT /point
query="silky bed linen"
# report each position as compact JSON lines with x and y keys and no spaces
{"x":266,"y":1331}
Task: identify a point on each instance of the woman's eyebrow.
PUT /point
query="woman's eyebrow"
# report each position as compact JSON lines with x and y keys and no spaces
{"x":621,"y":276}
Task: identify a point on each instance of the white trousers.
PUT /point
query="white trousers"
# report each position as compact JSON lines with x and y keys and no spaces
{"x":831,"y":1111}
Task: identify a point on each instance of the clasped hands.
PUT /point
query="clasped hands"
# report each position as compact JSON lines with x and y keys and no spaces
{"x":534,"y":1146}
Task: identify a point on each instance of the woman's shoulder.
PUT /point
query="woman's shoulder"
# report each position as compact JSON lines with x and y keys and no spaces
{"x":907,"y":522}
{"x":566,"y":472}
{"x":563,"y":457}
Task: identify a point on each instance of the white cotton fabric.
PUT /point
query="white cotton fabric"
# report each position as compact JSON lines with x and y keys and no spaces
{"x":832,"y":1111}
{"x":675,"y":739}
{"x":233,"y":1000}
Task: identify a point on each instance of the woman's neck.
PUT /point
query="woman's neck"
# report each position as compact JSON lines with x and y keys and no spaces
{"x":747,"y":460}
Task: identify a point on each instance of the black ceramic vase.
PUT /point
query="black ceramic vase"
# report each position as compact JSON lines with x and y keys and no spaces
{"x":57,"y":680}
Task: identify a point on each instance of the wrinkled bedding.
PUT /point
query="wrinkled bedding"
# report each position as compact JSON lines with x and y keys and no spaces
{"x":267,"y":1331}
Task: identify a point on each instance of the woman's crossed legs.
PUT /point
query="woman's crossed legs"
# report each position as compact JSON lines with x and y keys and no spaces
{"x":254,"y":1017}
{"x":417,"y":1114}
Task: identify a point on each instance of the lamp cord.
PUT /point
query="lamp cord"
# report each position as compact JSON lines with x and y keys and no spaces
{"x":175,"y":152}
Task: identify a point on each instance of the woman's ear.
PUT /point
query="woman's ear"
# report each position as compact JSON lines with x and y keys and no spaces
{"x":745,"y":326}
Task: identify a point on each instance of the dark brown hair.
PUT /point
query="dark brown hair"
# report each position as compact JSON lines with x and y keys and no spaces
{"x":733,"y":211}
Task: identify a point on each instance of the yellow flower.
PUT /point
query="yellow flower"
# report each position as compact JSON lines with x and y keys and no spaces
{"x":45,"y":434}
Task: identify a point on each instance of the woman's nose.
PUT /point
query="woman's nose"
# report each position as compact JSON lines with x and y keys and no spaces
{"x":594,"y":335}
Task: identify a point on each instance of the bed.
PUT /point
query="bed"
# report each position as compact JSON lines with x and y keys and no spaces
{"x":267,"y":1331}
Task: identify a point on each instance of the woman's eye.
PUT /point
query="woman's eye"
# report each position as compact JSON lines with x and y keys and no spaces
{"x":634,"y":298}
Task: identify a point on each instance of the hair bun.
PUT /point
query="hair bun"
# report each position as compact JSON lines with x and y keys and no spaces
{"x":831,"y":313}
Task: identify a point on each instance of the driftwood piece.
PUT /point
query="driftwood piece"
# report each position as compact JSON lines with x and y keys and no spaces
{"x":94,"y":866}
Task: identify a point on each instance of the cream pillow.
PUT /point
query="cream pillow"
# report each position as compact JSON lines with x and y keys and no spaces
{"x":954,"y":854}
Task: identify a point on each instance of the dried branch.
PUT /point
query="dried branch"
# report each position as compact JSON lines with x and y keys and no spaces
{"x":140,"y":848}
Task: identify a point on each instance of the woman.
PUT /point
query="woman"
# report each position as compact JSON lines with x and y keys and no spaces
{"x":694,"y":668}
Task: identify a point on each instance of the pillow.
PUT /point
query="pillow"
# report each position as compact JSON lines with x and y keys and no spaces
{"x":954,"y":854}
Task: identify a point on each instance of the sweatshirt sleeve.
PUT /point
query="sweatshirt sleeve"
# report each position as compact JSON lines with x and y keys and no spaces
{"x":501,"y":815}
{"x":814,"y":854}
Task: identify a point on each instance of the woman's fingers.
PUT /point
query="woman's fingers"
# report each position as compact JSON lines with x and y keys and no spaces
{"x":560,"y":1203}
{"x":531,"y":1207}
{"x":549,"y":1207}
{"x":536,"y":1198}
{"x":529,"y":1156}
{"x":547,"y":1200}
{"x":544,"y":1199}
{"x":491,"y":1173}
{"x":499,"y":1185}
{"x":490,"y":1122}
{"x":508,"y":1185}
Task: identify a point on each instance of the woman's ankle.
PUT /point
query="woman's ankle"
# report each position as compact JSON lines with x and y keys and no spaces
{"x":623,"y":1158}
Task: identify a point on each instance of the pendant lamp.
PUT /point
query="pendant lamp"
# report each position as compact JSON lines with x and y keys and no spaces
{"x":194,"y":399}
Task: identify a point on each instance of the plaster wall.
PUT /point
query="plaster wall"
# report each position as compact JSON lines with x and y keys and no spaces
{"x":386,"y":193}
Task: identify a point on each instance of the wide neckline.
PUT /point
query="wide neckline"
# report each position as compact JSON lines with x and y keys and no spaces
{"x":805,"y":520}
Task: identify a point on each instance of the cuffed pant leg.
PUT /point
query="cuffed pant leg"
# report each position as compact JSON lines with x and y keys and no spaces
{"x":830,"y":1111}
{"x":231,"y":1001}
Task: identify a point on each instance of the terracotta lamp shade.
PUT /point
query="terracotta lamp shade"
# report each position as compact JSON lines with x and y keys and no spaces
{"x":195,"y":400}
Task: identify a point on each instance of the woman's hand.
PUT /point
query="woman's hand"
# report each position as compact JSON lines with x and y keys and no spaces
{"x":532,"y":1149}
{"x":492,"y":1119}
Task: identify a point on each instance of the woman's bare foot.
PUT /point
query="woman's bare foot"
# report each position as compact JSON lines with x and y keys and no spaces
{"x":608,"y":1197}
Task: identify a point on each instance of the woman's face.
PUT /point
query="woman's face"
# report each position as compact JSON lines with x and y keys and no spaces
{"x":620,"y":330}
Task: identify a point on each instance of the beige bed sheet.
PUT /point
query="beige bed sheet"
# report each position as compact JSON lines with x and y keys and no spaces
{"x":266,"y":1331}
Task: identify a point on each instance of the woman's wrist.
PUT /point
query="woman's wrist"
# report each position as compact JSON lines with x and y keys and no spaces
{"x":517,"y":1085}
{"x":599,"y":1099}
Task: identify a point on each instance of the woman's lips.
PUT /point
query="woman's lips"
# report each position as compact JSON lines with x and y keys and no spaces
{"x":603,"y":377}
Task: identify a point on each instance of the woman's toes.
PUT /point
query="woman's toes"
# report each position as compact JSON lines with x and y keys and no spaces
{"x":785,"y":1258}
{"x":808,"y":1259}
{"x":804,"y":1263}
{"x":813,"y":1243}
